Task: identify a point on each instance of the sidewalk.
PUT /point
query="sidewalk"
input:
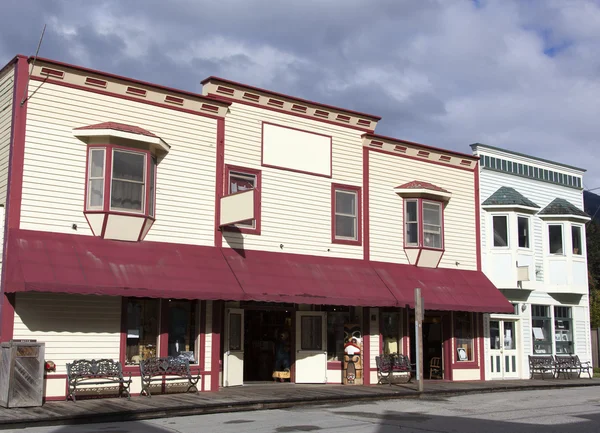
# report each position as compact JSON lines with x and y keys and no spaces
{"x":253,"y":397}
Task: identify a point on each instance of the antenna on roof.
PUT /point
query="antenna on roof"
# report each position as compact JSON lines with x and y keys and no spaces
{"x":32,"y":66}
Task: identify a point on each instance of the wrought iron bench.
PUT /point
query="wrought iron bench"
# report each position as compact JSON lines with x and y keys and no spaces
{"x":542,"y":364}
{"x":567,"y":364}
{"x":168,"y":368}
{"x":387,"y":365}
{"x":96,"y":372}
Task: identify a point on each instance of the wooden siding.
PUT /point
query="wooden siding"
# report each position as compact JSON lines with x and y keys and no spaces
{"x":54,"y":169}
{"x":296,"y":207}
{"x":7,"y":80}
{"x":386,"y":209}
{"x":71,"y":326}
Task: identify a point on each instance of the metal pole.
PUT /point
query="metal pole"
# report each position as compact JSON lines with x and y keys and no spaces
{"x":419,"y":338}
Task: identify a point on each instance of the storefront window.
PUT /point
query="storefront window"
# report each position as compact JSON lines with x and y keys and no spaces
{"x":541,"y":328}
{"x":311,"y":333}
{"x":142,"y":329}
{"x":335,"y":334}
{"x":390,"y":331}
{"x":463,"y":333}
{"x":182,"y":329}
{"x":563,"y":330}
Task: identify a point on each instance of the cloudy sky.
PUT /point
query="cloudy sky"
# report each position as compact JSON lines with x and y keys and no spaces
{"x":523,"y":75}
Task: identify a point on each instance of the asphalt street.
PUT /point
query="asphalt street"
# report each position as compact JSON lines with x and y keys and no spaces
{"x":547,"y":411}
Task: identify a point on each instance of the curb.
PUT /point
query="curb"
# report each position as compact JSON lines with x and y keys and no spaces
{"x":205,"y":409}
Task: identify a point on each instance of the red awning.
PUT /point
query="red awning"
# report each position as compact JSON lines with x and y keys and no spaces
{"x":303,"y":279}
{"x":443,"y":289}
{"x":55,"y":262}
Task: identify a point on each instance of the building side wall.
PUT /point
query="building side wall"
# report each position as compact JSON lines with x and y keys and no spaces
{"x":386,"y":209}
{"x":55,"y":163}
{"x":7,"y":84}
{"x":296,"y":207}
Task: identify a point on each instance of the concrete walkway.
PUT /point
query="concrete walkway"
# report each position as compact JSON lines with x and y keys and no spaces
{"x":253,"y":397}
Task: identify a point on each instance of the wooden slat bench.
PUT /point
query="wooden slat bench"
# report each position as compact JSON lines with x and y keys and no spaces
{"x":167,"y":368}
{"x":96,"y":372}
{"x":388,"y":365}
{"x":541,"y":364}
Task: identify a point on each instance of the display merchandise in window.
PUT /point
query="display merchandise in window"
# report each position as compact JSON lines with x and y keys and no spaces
{"x":182,"y":329}
{"x":335,"y":334}
{"x":563,"y":330}
{"x":142,"y":330}
{"x":541,"y":329}
{"x":463,"y":333}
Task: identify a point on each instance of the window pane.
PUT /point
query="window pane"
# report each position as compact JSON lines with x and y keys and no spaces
{"x":127,"y":195}
{"x":97,"y":163}
{"x":235,"y":331}
{"x":335,"y":335}
{"x":500,"y":223}
{"x":555,"y":237}
{"x":142,"y":330}
{"x":411,"y":211}
{"x":345,"y":226}
{"x":494,"y":335}
{"x":509,"y":336}
{"x":541,"y":329}
{"x":523,"y":227}
{"x":563,"y":330}
{"x":576,"y":235}
{"x":311,"y":333}
{"x":432,"y":213}
{"x":182,"y":330}
{"x":96,"y":193}
{"x":239,"y":182}
{"x":432,"y":236}
{"x":345,"y":203}
{"x":391,"y":333}
{"x":463,"y":332}
{"x":128,"y":166}
{"x":412,"y":233}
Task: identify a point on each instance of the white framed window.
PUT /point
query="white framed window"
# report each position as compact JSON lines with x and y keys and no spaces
{"x":346,"y":214}
{"x":96,"y":178}
{"x":576,"y":240}
{"x":411,"y":222}
{"x":432,"y":224}
{"x":555,"y":239}
{"x":500,"y":230}
{"x":128,"y":183}
{"x":524,"y":231}
{"x":423,"y":224}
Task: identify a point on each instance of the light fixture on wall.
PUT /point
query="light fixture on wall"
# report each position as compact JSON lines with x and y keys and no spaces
{"x":523,"y":307}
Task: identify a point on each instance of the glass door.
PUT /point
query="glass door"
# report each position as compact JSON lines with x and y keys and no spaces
{"x":504,"y":357}
{"x":311,"y":347}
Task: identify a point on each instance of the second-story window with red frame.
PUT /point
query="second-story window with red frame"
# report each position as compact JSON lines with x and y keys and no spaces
{"x":423,"y":223}
{"x":346,"y":214}
{"x":240,"y":179}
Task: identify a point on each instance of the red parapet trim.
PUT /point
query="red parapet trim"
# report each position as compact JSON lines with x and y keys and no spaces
{"x":426,"y":146}
{"x":115,"y":76}
{"x":52,"y":73}
{"x":202,"y":348}
{"x":220,"y":181}
{"x":366,"y":345}
{"x":334,"y":365}
{"x":225,"y":90}
{"x":366,"y":232}
{"x":91,"y":81}
{"x":294,"y":98}
{"x":257,"y":199}
{"x":251,"y":97}
{"x":8,"y":317}
{"x":415,"y":158}
{"x":321,"y":113}
{"x":275,"y":102}
{"x":282,"y":111}
{"x":11,"y":62}
{"x":216,"y":344}
{"x":126,"y":97}
{"x":477,"y":217}
{"x":358,"y":190}
{"x":136,"y":91}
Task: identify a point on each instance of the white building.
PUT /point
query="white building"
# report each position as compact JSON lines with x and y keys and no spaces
{"x":533,"y":250}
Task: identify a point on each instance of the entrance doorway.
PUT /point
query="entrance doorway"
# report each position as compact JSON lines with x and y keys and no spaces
{"x":262,"y":330}
{"x":432,"y":346}
{"x":504,"y":360}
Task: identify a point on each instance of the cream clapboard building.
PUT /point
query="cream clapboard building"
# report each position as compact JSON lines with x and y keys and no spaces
{"x":146,"y":221}
{"x":534,"y":251}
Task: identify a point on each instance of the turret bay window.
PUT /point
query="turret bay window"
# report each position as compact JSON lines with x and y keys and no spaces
{"x":500,"y":225}
{"x":346,"y":214}
{"x":576,"y":240}
{"x":423,"y":224}
{"x":555,"y":239}
{"x":523,"y":227}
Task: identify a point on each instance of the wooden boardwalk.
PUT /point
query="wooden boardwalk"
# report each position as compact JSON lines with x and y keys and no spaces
{"x":251,"y":397}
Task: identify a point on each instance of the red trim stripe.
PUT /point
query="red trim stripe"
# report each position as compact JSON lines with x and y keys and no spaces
{"x":55,"y":73}
{"x":423,"y":153}
{"x":445,"y":158}
{"x":275,"y":102}
{"x":136,"y":91}
{"x":299,"y":108}
{"x":364,"y":122}
{"x":400,"y":149}
{"x":175,"y":100}
{"x":212,"y":108}
{"x":321,"y":113}
{"x":251,"y":97}
{"x":225,"y":90}
{"x":90,"y":81}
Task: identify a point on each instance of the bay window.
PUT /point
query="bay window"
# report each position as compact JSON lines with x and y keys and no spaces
{"x":500,"y":226}
{"x":423,"y":223}
{"x":541,"y":329}
{"x":563,"y":330}
{"x":576,"y":240}
{"x":346,"y":209}
{"x":555,"y":238}
{"x":523,"y":228}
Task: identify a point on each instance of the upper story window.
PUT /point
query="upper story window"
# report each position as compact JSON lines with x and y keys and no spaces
{"x":345,"y":210}
{"x":555,"y":239}
{"x":500,"y":223}
{"x":240,"y":180}
{"x":120,"y":189}
{"x":423,"y":223}
{"x":524,"y":231}
{"x":576,"y":240}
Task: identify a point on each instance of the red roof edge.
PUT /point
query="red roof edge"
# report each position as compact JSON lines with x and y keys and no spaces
{"x":425,"y":146}
{"x":128,"y":79}
{"x":11,"y":62}
{"x":120,"y":127}
{"x":294,"y":98}
{"x":415,"y":184}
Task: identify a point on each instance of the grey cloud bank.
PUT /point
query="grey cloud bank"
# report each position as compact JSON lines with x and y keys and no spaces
{"x":515,"y":74}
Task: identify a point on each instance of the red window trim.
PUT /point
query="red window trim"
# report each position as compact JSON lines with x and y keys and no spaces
{"x":474,"y":363}
{"x":420,"y":243}
{"x":355,"y":189}
{"x":256,"y":230}
{"x":108,"y":159}
{"x":163,"y":333}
